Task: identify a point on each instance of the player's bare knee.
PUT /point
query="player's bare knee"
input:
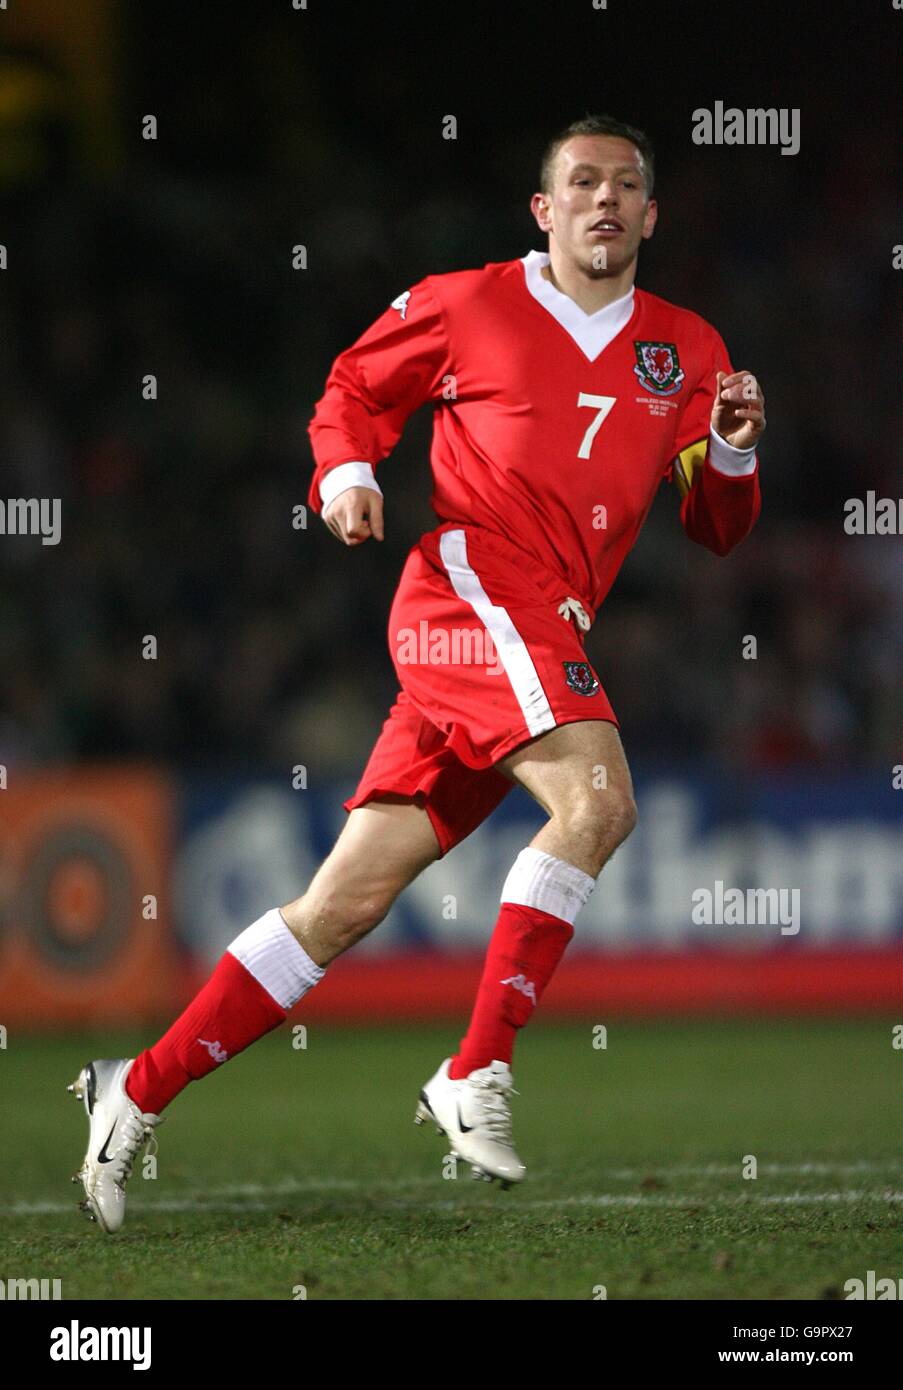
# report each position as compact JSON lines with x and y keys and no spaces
{"x":598,"y":821}
{"x":622,"y":815}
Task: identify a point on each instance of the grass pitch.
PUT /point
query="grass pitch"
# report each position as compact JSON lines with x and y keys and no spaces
{"x":290,"y":1169}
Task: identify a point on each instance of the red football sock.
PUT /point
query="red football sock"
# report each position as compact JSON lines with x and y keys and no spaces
{"x":525,"y":949}
{"x":230,"y":1012}
{"x":263,"y":974}
{"x":540,"y":900}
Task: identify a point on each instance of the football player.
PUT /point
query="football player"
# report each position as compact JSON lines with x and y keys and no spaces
{"x":563,"y":396}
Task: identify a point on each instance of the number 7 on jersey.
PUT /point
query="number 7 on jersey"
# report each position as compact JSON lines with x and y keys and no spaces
{"x":603,"y":405}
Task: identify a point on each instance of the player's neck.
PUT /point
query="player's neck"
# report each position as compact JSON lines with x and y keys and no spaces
{"x":591,"y":293}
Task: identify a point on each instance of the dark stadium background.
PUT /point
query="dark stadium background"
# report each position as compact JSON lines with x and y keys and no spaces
{"x":323,"y":128}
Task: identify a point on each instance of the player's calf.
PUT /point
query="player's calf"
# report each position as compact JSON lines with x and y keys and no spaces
{"x":384,"y":845}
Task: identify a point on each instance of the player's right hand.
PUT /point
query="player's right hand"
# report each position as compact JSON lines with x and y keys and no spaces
{"x":355,"y":515}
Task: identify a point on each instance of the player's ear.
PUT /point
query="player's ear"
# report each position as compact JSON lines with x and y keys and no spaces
{"x":650,"y":218}
{"x":540,"y":206}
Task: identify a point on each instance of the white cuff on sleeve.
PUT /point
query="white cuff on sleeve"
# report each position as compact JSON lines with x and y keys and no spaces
{"x":724,"y":458}
{"x":343,"y":477}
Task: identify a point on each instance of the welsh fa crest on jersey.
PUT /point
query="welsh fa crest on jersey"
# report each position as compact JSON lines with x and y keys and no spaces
{"x":580,"y":677}
{"x":658,"y":368}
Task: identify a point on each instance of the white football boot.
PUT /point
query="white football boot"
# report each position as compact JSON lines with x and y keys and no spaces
{"x":475,"y":1117}
{"x":117,"y":1134}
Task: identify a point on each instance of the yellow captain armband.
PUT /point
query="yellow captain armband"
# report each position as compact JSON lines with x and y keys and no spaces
{"x":687,"y":463}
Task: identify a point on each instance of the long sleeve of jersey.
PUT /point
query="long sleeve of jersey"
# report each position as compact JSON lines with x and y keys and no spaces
{"x":718,"y":509}
{"x":378,"y":383}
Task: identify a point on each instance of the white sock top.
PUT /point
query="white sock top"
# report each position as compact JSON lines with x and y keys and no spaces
{"x":540,"y":880}
{"x":269,"y":952}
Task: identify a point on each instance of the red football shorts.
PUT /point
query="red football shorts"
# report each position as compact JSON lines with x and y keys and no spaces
{"x":485,"y":662}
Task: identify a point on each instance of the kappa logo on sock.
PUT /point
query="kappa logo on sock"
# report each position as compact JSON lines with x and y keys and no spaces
{"x":525,"y":986}
{"x":216,"y":1050}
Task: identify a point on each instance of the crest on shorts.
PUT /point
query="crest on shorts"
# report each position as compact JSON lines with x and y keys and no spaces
{"x":658,"y":368}
{"x":580,"y":677}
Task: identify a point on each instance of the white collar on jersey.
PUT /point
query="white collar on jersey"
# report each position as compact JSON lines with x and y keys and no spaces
{"x":591,"y":332}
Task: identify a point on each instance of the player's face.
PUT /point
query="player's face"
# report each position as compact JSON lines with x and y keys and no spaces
{"x":597,"y":210}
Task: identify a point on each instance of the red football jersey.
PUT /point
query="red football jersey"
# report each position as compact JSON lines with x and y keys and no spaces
{"x":552,"y":428}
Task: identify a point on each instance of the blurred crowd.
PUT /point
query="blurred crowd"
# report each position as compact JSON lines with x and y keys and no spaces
{"x":270,"y":639}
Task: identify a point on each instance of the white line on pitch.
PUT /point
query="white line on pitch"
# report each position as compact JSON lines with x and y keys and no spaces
{"x":696,"y":1199}
{"x":289,"y":1187}
{"x":717,"y":1170}
{"x":613,"y":1200}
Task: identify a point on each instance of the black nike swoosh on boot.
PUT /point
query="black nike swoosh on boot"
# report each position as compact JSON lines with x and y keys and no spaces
{"x":465,"y":1129}
{"x":103,"y":1156}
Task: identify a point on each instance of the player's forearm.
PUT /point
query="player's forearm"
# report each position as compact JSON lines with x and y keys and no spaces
{"x":343,"y":459}
{"x":350,"y":425}
{"x":343,"y":429}
{"x":347,"y":438}
{"x":724,"y":502}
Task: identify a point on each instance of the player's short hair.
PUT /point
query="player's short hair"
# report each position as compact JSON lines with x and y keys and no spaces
{"x":598,"y":125}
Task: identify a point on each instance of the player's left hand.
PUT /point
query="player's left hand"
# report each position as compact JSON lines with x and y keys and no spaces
{"x":738,"y":414}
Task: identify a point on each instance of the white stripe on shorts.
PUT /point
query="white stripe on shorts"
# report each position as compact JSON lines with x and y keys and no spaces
{"x":511,"y":647}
